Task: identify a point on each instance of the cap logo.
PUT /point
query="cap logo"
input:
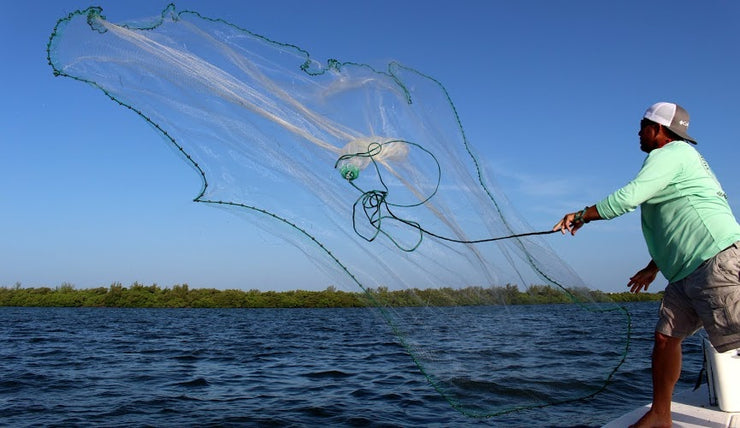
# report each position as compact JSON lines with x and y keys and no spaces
{"x":683,"y":123}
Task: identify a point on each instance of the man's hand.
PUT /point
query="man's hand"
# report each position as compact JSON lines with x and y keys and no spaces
{"x":574,"y":221}
{"x":569,"y":224}
{"x":642,"y":279}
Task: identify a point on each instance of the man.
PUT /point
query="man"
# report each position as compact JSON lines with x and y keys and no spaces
{"x":693,"y":239}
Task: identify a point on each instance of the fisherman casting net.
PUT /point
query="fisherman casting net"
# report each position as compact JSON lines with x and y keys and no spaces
{"x":369,"y":173}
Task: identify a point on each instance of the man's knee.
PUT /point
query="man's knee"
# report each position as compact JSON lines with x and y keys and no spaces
{"x":664,"y":341}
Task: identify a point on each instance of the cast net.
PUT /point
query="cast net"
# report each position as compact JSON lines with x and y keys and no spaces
{"x":368,"y":171}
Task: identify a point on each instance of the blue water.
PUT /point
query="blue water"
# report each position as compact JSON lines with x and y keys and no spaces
{"x":264,"y":367}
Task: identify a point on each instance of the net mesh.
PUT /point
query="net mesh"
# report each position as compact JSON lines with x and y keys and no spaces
{"x":369,"y":172}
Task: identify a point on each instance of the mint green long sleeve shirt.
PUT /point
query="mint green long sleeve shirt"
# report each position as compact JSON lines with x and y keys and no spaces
{"x":685,"y":215}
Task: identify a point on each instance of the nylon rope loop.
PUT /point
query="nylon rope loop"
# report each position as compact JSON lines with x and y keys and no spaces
{"x":373,"y":204}
{"x":373,"y":201}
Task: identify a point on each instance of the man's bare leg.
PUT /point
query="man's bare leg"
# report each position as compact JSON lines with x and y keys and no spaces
{"x":666,"y":371}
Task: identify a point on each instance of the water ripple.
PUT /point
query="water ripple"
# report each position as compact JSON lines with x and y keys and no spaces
{"x":278,"y":367}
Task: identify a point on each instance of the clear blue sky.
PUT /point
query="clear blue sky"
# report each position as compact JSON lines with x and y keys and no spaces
{"x":550,"y":93}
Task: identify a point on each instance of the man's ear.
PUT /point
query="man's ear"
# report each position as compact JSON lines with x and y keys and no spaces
{"x":663,"y":134}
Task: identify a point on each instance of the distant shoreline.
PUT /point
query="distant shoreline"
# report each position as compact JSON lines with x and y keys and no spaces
{"x":182,"y":296}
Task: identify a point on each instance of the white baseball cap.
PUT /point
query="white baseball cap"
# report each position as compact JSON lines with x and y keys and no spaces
{"x":672,"y":116}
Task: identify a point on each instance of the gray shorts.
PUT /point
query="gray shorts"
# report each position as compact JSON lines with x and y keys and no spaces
{"x":709,"y":297}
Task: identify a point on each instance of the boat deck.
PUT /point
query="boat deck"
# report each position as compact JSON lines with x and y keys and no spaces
{"x":690,"y":409}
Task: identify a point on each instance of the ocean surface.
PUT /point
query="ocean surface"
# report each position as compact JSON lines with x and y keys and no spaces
{"x":268,"y":367}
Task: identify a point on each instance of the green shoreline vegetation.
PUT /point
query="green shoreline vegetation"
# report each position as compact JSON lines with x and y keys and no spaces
{"x":182,"y":296}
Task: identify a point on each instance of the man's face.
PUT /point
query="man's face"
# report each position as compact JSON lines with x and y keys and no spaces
{"x":648,"y":133}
